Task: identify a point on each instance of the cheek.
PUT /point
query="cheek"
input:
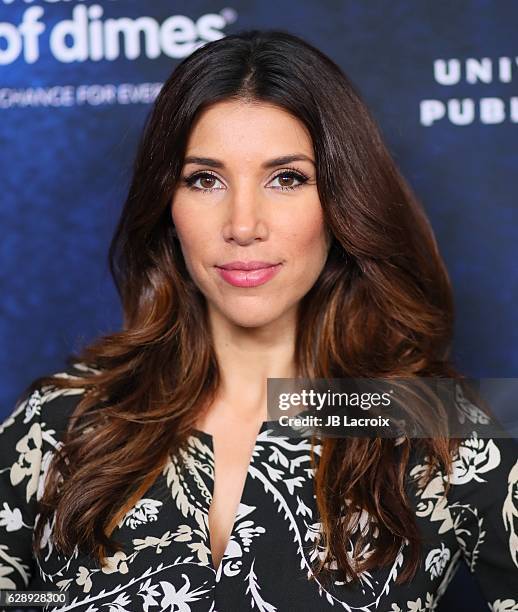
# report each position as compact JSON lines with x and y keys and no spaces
{"x":192,"y":232}
{"x":181,"y":219}
{"x":308,"y":237}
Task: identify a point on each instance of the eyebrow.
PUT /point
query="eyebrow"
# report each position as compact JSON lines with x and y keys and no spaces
{"x":270,"y":163}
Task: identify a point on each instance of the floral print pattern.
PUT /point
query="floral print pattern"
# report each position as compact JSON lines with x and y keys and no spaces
{"x":166,"y":562}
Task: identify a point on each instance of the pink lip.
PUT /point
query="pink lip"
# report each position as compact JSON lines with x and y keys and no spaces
{"x":246,"y":265}
{"x":251,"y":275}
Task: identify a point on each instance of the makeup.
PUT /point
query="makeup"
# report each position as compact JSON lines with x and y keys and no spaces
{"x":250,"y":274}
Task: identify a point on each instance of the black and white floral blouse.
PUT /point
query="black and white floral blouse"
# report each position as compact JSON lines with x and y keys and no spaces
{"x":166,"y":563}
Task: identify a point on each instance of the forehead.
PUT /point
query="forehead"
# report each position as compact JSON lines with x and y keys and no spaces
{"x":247,"y":131}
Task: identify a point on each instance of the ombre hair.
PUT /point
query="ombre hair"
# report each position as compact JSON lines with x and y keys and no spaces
{"x":381,"y":307}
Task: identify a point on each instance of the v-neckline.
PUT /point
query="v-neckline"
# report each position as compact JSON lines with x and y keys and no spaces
{"x":209,"y":440}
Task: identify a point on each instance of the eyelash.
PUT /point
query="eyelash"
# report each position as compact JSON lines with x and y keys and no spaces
{"x":191,"y":179}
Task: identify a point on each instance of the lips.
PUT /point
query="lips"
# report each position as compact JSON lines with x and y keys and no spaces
{"x":247,"y":265}
{"x":248,"y":274}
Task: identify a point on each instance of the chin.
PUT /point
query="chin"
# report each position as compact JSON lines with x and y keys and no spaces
{"x":250,"y":321}
{"x":249,"y":316}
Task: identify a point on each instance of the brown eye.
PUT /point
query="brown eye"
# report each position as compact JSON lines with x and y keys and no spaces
{"x":207,"y":182}
{"x":202,"y":182}
{"x":286,"y":179}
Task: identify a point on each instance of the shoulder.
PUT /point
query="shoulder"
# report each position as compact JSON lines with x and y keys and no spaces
{"x":45,"y":407}
{"x":484,"y":476}
{"x":480,"y":460}
{"x":29,"y":436}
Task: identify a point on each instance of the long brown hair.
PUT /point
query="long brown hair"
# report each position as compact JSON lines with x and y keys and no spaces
{"x":382,"y":307}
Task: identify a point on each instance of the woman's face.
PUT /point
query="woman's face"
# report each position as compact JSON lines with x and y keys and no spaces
{"x":242,"y":203}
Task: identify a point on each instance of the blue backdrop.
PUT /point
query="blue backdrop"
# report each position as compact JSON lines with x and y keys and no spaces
{"x":76,"y":82}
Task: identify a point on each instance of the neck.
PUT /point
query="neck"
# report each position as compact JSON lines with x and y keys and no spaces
{"x":247,"y":357}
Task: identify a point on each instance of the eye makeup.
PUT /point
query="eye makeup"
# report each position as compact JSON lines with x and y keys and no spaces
{"x":191,"y":179}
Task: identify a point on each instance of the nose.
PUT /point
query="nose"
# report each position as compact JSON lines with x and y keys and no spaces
{"x":245,"y":219}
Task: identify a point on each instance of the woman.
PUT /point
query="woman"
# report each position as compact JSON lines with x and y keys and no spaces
{"x":146,"y":475}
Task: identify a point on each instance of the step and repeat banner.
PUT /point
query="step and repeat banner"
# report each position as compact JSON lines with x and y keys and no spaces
{"x":77,"y":80}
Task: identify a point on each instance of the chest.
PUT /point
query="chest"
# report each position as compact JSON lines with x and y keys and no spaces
{"x":166,"y":554}
{"x":232,"y":456}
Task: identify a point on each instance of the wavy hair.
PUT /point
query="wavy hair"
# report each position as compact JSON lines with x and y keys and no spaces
{"x":382,"y":307}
